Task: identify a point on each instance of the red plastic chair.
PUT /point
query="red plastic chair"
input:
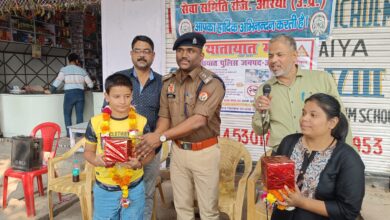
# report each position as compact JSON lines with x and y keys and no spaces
{"x":49,"y":131}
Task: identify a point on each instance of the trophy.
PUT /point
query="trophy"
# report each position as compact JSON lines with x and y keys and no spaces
{"x":277,"y":172}
{"x":120,"y":149}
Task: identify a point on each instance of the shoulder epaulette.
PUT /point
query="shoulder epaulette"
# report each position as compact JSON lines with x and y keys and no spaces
{"x":206,"y":76}
{"x":167,"y":76}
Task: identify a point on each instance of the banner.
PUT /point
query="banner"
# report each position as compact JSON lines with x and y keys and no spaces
{"x":234,"y":19}
{"x":243,"y":66}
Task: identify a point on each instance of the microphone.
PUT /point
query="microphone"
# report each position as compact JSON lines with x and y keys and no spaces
{"x":266,"y":92}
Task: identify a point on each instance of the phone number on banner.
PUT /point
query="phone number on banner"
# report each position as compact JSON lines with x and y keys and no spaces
{"x":245,"y":136}
{"x":365,"y":145}
{"x":368,"y":145}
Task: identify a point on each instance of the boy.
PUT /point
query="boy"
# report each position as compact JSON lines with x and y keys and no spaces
{"x":123,"y":197}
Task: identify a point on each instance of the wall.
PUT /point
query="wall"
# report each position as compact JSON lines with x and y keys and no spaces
{"x":21,"y":113}
{"x":121,"y":22}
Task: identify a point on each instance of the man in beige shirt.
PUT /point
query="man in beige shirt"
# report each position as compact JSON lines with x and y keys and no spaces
{"x":189,"y":115}
{"x":290,"y":87}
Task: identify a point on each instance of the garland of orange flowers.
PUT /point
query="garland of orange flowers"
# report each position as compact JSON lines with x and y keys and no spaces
{"x":120,"y":175}
{"x":105,"y":126}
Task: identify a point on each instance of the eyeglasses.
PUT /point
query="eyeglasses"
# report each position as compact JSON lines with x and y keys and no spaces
{"x":145,"y":52}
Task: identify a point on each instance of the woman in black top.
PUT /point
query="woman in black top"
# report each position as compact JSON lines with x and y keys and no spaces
{"x":329,"y":173}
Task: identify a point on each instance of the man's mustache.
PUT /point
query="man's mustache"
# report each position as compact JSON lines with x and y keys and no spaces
{"x":141,"y":59}
{"x":184,"y":59}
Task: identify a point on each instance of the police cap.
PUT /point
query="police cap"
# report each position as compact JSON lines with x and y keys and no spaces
{"x":190,"y":39}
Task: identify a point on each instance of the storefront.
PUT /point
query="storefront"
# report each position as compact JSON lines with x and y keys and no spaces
{"x":35,"y":39}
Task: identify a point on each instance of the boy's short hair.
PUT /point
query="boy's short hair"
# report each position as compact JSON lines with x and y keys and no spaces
{"x":117,"y":79}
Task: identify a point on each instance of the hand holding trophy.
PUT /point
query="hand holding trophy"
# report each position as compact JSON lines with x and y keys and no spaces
{"x":277,"y":174}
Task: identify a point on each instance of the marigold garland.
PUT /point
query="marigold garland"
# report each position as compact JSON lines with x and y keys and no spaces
{"x":105,"y":126}
{"x":106,"y":114}
{"x":132,"y":120}
{"x":120,"y":175}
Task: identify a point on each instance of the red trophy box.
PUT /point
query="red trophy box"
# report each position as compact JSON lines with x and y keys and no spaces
{"x":278,"y":171}
{"x":118,"y":149}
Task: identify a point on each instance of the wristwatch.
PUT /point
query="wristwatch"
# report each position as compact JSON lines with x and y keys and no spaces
{"x":163,"y":138}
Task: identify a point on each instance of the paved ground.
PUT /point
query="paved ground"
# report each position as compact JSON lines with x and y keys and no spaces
{"x":376,"y":204}
{"x":16,"y":205}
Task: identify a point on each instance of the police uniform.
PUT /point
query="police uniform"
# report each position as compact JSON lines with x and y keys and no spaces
{"x":195,"y":158}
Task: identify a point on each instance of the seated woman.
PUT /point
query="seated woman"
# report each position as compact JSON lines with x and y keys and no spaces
{"x":329,"y":173}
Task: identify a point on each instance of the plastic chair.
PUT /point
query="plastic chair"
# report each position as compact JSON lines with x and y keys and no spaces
{"x":49,"y":131}
{"x":231,"y":198}
{"x":256,"y":209}
{"x":164,"y":156}
{"x":64,"y":184}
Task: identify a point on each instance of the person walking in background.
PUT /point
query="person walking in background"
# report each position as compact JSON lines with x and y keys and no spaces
{"x":290,"y":86}
{"x":146,"y":99}
{"x":329,"y":174}
{"x":190,"y":105}
{"x":74,"y":78}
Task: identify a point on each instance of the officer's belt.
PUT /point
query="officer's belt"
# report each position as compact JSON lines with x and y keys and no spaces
{"x":197,"y":145}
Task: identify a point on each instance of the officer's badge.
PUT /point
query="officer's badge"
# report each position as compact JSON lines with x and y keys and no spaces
{"x":194,"y":41}
{"x":203,"y":96}
{"x":171,"y":91}
{"x":171,"y":88}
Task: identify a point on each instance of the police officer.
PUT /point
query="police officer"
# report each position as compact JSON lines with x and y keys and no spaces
{"x":189,"y":115}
